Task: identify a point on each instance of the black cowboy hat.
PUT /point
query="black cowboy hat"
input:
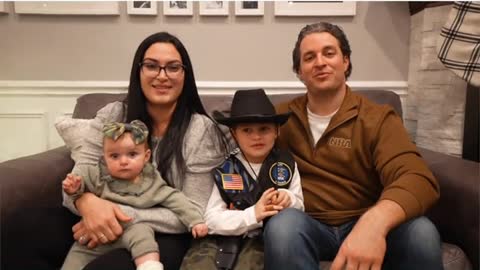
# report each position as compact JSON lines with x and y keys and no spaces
{"x":251,"y":106}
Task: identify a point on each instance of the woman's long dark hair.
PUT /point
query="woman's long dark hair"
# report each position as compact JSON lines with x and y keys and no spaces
{"x":188,"y":103}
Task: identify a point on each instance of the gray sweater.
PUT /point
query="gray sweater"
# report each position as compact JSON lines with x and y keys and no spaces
{"x":202,"y":151}
{"x":151,"y":190}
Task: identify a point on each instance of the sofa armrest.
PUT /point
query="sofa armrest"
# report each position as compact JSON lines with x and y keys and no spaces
{"x":35,"y":227}
{"x":456,"y":214}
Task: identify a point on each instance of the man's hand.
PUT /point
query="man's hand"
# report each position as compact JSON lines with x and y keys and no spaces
{"x":100,"y":219}
{"x":199,"y":230}
{"x":283,"y":199}
{"x":365,"y":246}
{"x":71,"y":183}
{"x":264,"y":207}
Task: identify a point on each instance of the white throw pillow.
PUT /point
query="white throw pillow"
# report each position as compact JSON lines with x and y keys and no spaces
{"x":84,"y":137}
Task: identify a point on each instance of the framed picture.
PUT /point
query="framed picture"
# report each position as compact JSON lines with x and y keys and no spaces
{"x":184,"y":8}
{"x":2,"y":7}
{"x":67,"y":8}
{"x":249,"y":8}
{"x":214,"y":8}
{"x":314,"y":8}
{"x":142,"y":7}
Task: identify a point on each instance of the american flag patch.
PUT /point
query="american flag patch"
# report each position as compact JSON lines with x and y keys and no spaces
{"x":232,"y":182}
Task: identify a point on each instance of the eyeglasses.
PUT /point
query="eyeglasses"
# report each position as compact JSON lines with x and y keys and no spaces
{"x":151,"y":69}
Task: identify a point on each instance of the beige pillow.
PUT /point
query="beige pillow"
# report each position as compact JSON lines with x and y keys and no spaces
{"x":84,"y":137}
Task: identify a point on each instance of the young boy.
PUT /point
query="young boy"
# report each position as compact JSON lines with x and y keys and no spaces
{"x":255,"y":182}
{"x":125,"y":176}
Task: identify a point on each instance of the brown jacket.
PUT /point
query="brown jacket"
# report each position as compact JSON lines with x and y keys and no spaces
{"x":364,"y":155}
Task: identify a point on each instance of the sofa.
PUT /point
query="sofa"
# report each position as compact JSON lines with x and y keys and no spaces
{"x":36,"y":229}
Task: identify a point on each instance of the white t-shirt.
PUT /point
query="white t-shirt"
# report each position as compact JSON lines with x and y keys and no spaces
{"x":318,"y":124}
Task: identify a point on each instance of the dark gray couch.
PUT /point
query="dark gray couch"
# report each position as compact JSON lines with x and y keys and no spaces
{"x":36,"y":229}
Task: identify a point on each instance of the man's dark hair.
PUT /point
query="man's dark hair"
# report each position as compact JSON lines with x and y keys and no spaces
{"x":321,"y":27}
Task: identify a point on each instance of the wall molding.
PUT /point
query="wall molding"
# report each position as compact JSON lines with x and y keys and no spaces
{"x":35,"y":115}
{"x":22,"y":101}
{"x":21,"y":125}
{"x":77,"y":88}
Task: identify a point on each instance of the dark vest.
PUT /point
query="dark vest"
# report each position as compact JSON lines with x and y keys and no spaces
{"x":239,"y":190}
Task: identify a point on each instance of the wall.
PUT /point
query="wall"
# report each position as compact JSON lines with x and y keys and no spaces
{"x":47,"y":61}
{"x":39,"y":47}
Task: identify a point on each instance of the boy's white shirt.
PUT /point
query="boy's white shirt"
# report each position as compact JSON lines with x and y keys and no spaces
{"x":223,"y":221}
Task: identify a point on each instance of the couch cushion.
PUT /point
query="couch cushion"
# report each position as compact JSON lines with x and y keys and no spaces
{"x":384,"y":97}
{"x":89,"y":104}
{"x":222,"y":102}
{"x":456,"y":214}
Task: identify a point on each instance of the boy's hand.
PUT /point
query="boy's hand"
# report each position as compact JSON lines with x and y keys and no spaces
{"x":200,"y":230}
{"x":283,"y":199}
{"x":264,"y":206}
{"x":71,"y":183}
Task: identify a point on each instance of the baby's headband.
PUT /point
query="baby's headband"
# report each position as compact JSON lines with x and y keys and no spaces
{"x":115,"y":129}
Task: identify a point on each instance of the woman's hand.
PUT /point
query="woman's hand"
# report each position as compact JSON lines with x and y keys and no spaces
{"x":264,"y":207}
{"x":100,"y":221}
{"x":82,"y":235}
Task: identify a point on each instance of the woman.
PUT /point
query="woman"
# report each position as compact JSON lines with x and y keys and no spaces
{"x":185,"y":145}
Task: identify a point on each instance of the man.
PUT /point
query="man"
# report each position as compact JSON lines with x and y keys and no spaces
{"x":365,"y":185}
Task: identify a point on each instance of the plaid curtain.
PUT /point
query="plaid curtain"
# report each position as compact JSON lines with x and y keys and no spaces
{"x":460,"y":41}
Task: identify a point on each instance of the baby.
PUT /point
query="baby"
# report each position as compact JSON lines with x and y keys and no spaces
{"x":124,"y":175}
